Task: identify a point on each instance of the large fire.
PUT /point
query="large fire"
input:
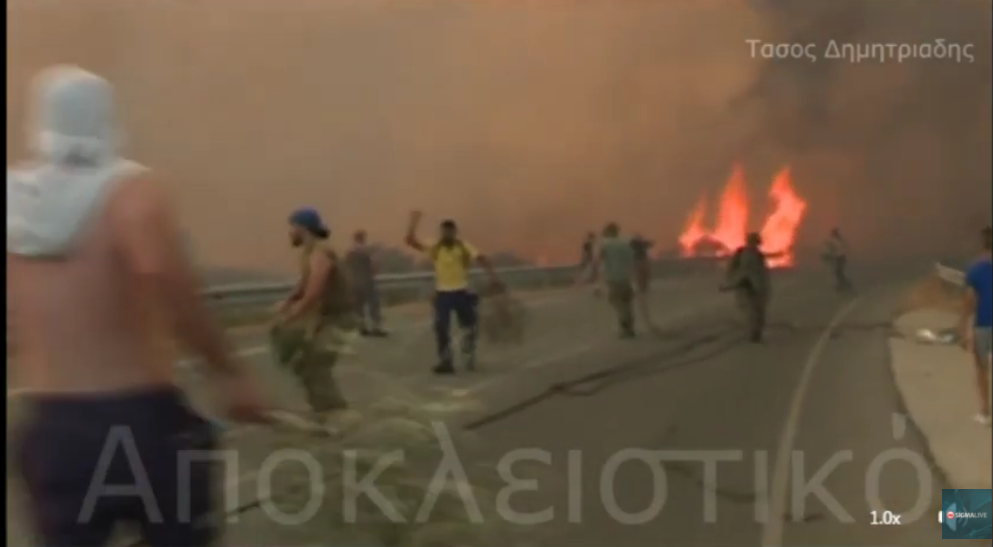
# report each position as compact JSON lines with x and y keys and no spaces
{"x":778,"y":231}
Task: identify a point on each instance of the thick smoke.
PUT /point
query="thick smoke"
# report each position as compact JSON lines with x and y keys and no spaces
{"x":530,"y":122}
{"x":897,"y":153}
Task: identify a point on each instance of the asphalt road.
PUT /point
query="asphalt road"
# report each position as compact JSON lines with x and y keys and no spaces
{"x":819,"y":386}
{"x":818,"y":389}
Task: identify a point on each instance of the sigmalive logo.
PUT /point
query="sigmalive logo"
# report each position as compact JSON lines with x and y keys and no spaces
{"x":952,"y":516}
{"x":965,"y":514}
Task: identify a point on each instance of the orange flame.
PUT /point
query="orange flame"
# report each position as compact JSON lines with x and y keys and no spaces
{"x":732,"y":216}
{"x":694,"y":231}
{"x":778,"y":232}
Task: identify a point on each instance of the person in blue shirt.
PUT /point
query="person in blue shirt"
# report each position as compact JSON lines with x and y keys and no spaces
{"x":976,"y":321}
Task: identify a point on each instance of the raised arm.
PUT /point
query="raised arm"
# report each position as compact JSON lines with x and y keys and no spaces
{"x":411,"y":237}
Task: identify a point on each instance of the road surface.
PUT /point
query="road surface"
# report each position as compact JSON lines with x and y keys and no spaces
{"x":817,"y":390}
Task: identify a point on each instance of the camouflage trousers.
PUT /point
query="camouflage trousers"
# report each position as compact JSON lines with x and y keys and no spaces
{"x":311,"y":353}
{"x":752,"y":307}
{"x":621,"y":296}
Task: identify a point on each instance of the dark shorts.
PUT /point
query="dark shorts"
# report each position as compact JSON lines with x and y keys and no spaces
{"x":90,"y":462}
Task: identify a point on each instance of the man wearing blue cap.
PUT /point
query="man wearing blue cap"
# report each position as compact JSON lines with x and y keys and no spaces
{"x":452,"y":257}
{"x":307,"y":322}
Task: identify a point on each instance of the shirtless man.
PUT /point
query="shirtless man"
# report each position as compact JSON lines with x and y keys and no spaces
{"x":311,"y":321}
{"x":94,"y":264}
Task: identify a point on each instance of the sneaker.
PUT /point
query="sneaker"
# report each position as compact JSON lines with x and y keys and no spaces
{"x":982,"y":419}
{"x":378,"y":333}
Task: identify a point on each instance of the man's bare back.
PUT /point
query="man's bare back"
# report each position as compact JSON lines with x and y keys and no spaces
{"x":96,"y":280}
{"x":97,"y":273}
{"x":83,"y":321}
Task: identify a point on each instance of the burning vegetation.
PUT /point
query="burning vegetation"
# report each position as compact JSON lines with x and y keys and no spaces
{"x":778,"y":231}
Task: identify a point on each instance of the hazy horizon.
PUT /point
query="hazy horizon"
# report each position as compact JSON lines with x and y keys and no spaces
{"x":529,"y":122}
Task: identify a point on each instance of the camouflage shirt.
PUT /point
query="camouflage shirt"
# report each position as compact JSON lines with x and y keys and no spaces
{"x":333,"y":311}
{"x":335,"y":299}
{"x":748,"y":270}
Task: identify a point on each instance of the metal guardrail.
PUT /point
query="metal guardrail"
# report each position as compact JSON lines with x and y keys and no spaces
{"x":418,"y":285}
{"x":951,"y":275}
{"x":415,"y":285}
{"x":409,"y":287}
{"x":392,"y":287}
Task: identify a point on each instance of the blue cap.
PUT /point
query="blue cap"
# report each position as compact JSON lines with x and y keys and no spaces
{"x":309,"y":219}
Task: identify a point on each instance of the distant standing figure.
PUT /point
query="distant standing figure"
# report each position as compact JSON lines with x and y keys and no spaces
{"x":748,"y":277}
{"x":617,"y":260}
{"x":836,"y":255}
{"x":362,"y":277}
{"x":586,"y":259}
{"x":641,"y":246}
{"x":976,"y":321}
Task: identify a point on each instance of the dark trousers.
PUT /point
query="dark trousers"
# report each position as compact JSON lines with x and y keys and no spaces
{"x":839,"y":268}
{"x":463,"y":304}
{"x":367,"y":304}
{"x":90,"y":462}
{"x":753,"y":307}
{"x":621,"y":297}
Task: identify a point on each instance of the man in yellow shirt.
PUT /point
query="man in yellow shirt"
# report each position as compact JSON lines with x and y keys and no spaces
{"x":452,"y":258}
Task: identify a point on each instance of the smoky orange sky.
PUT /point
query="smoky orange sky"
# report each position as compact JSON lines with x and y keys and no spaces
{"x":530,"y":122}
